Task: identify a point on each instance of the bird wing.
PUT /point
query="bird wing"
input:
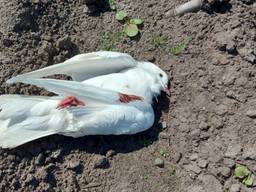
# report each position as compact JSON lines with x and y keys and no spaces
{"x":80,"y":90}
{"x":84,"y":66}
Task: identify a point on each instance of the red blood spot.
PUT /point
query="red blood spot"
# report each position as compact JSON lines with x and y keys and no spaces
{"x":70,"y":102}
{"x":124,"y":98}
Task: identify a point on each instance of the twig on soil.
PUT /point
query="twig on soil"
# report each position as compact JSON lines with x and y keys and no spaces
{"x":195,"y":5}
{"x":92,"y":185}
{"x":191,"y":6}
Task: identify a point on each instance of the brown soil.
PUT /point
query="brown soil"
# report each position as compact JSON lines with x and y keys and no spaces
{"x":202,"y":132}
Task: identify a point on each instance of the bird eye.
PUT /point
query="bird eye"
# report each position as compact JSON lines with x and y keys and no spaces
{"x":160,"y":75}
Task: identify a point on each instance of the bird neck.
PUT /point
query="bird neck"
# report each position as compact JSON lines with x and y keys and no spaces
{"x":144,"y":83}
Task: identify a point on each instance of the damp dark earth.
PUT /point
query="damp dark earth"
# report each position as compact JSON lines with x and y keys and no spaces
{"x":202,"y":132}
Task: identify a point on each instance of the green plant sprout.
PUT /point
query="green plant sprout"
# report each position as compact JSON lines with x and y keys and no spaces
{"x":159,"y":40}
{"x":109,"y":41}
{"x":244,"y":175}
{"x":164,"y":153}
{"x":112,"y":5}
{"x":130,"y":25}
{"x":145,"y":177}
{"x":180,"y":47}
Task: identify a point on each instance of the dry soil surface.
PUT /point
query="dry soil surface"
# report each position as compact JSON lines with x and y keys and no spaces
{"x":205,"y":129}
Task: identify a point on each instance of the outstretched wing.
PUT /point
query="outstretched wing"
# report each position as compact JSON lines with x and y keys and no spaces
{"x":84,"y":66}
{"x":81,"y":91}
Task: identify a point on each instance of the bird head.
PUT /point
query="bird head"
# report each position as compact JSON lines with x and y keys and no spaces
{"x":160,"y":80}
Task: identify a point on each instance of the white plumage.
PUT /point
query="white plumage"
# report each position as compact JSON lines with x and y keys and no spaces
{"x":111,"y":94}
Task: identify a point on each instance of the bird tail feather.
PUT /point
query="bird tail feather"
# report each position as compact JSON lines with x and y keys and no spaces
{"x":26,"y":118}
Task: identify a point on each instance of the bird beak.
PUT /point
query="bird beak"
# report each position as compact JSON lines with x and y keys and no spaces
{"x":167,"y":91}
{"x":167,"y":88}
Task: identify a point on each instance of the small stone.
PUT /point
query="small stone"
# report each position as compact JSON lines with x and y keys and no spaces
{"x":227,"y":184}
{"x":202,"y":163}
{"x":249,"y":153}
{"x":231,"y":94}
{"x":73,"y":164}
{"x":164,"y":125}
{"x":204,"y":126}
{"x":101,"y":162}
{"x":193,"y":157}
{"x":235,"y":188}
{"x":229,"y":163}
{"x":195,"y":133}
{"x":193,"y":167}
{"x":231,"y":47}
{"x":86,"y":10}
{"x":211,"y":183}
{"x":204,"y":135}
{"x":46,"y":50}
{"x":35,"y":1}
{"x":50,"y":166}
{"x":224,"y":171}
{"x":233,"y":150}
{"x":217,"y":123}
{"x":110,"y":153}
{"x":222,"y":39}
{"x":149,"y":56}
{"x":40,"y":159}
{"x":176,"y":157}
{"x":163,"y":135}
{"x":221,"y":110}
{"x":159,"y":162}
{"x":251,"y":113}
{"x":56,"y":154}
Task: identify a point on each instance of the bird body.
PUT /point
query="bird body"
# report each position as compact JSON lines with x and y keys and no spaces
{"x":112,"y":99}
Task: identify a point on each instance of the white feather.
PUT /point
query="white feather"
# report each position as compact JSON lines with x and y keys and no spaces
{"x":84,"y":66}
{"x":77,"y":89}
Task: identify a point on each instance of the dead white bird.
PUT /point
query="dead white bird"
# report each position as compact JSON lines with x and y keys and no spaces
{"x":111,"y":94}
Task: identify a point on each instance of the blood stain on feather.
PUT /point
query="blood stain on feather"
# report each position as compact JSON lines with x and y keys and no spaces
{"x":70,"y":102}
{"x":124,"y":98}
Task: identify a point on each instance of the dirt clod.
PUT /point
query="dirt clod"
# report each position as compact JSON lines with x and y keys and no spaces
{"x":251,"y":113}
{"x":159,"y":162}
{"x":235,"y":188}
{"x":101,"y":162}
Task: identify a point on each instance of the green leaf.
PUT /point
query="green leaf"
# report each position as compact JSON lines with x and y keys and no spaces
{"x":159,"y":40}
{"x":112,"y":5}
{"x":180,"y":47}
{"x":121,"y":15}
{"x":248,"y":181}
{"x":137,"y":21}
{"x":109,"y":41}
{"x":163,"y":153}
{"x":145,"y":177}
{"x":242,"y":172}
{"x":131,"y":30}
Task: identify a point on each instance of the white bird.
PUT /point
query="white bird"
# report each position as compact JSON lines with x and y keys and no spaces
{"x":111,"y":94}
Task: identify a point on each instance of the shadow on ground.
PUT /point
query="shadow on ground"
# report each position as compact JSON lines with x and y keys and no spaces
{"x":96,"y":144}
